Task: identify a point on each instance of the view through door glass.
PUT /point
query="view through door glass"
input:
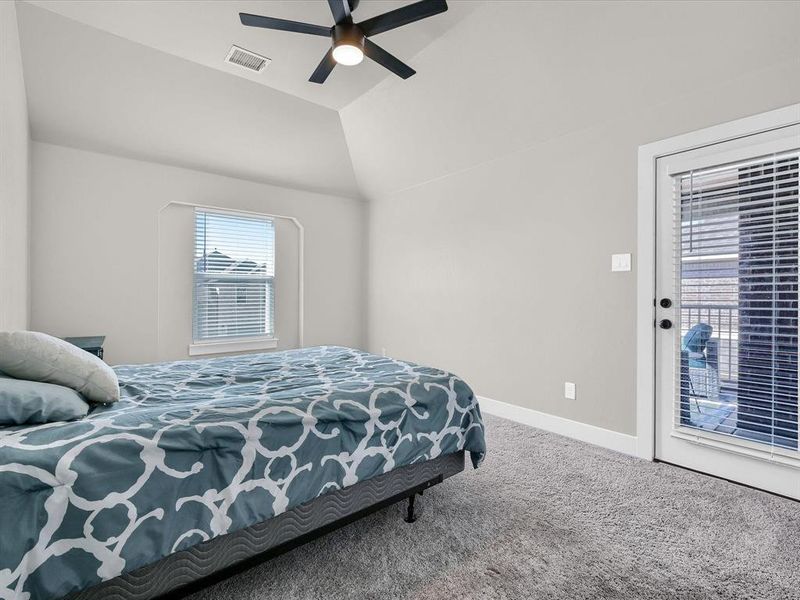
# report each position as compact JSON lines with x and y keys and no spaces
{"x":738,"y":267}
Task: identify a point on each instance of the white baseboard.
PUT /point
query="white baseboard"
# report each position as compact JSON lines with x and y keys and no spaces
{"x":613,"y":440}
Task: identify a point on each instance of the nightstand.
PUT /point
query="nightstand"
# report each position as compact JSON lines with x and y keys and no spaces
{"x":92,"y":344}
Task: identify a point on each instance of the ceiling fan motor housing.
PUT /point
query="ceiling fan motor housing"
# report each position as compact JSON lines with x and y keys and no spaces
{"x":348,"y":34}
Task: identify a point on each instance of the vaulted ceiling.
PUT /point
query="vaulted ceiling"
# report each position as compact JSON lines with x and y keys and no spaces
{"x":147,"y":80}
{"x":203,"y":32}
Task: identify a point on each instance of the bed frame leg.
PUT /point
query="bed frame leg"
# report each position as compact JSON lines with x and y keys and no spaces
{"x":410,"y":516}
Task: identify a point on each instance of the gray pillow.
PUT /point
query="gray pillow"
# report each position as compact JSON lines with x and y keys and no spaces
{"x":27,"y":402}
{"x":40,"y":357}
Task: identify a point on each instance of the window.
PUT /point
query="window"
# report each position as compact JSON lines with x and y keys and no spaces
{"x":234,"y":282}
{"x":737,"y":255}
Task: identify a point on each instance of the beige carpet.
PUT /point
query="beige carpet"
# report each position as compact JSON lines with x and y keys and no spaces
{"x":547,"y":517}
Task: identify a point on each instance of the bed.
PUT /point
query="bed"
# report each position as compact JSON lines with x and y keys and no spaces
{"x":206,"y":466}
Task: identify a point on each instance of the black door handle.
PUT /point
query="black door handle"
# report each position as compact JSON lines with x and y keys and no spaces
{"x":665,"y":324}
{"x":665,"y":303}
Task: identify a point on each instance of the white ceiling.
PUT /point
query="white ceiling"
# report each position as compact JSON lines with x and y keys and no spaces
{"x":203,"y":32}
{"x":90,"y":89}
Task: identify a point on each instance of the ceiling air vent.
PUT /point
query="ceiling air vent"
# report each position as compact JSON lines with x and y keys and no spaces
{"x":246,"y":59}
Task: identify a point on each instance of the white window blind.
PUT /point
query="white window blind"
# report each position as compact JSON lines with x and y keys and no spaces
{"x":737,"y":273}
{"x":234,"y":276}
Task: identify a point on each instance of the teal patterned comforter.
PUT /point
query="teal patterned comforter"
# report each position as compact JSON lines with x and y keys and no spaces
{"x":197,"y":449}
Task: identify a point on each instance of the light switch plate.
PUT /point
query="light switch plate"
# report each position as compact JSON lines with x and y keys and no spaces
{"x":620,"y":262}
{"x":569,"y":390}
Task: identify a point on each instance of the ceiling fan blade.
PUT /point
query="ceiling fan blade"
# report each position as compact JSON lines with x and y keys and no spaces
{"x":283,"y":25}
{"x":383,"y":58}
{"x":324,"y":68}
{"x":341,"y":11}
{"x":403,"y":16}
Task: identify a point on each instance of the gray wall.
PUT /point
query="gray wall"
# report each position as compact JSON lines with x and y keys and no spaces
{"x":503,"y":176}
{"x":120,"y":131}
{"x":108,"y":258}
{"x":14,"y":176}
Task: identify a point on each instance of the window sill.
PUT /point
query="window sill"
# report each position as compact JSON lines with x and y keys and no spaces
{"x":235,"y":345}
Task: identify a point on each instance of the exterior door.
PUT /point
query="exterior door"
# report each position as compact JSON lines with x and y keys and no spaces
{"x":727,"y":310}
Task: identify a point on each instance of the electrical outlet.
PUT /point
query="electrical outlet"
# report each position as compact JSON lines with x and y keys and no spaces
{"x":569,"y":390}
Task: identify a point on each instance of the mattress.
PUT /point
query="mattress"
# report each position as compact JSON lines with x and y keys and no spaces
{"x":197,"y":450}
{"x":234,"y":550}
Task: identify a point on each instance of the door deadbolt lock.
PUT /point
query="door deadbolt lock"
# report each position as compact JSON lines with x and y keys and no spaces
{"x":665,"y":324}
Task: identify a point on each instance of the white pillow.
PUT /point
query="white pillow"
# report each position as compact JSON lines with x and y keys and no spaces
{"x":41,"y":357}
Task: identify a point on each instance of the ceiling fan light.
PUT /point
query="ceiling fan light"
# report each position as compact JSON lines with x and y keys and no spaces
{"x":347,"y":54}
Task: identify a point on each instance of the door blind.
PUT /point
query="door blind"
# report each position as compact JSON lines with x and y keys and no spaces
{"x":737,"y":274}
{"x":234,"y":276}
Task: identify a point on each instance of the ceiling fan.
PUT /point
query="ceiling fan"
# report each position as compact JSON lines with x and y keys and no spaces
{"x":350,"y":41}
